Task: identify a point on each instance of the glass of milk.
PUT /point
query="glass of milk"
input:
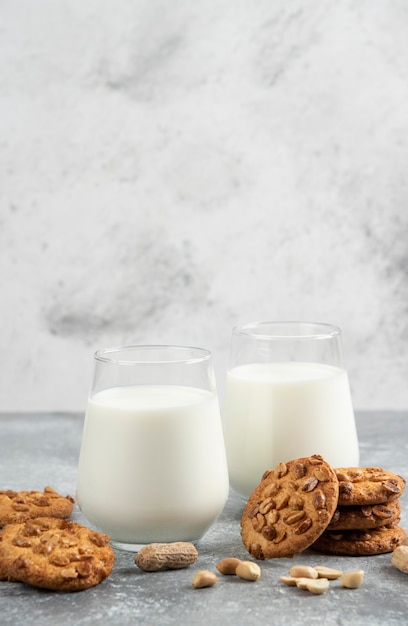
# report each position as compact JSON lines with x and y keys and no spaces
{"x":287,"y":395}
{"x":152,"y":465}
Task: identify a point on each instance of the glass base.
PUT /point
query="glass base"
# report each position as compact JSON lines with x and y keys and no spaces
{"x":127,"y":547}
{"x":135,"y":547}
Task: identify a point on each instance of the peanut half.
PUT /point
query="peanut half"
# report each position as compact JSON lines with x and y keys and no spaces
{"x":289,"y":580}
{"x":204,"y":578}
{"x":328,"y":572}
{"x":161,"y":556}
{"x":399,"y":558}
{"x":352,"y":580}
{"x":228,"y":566}
{"x":303,"y":571}
{"x":248,"y":570}
{"x":314,"y":585}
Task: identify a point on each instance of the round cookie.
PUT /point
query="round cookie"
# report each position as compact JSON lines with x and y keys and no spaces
{"x":19,"y":506}
{"x":3,"y":575}
{"x":364,"y":517}
{"x":290,"y":508}
{"x":55,"y":554}
{"x":360,"y":542}
{"x":368,"y":485}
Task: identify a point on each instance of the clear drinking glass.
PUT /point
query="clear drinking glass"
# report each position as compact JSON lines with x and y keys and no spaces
{"x":287,"y":395}
{"x":152,"y":464}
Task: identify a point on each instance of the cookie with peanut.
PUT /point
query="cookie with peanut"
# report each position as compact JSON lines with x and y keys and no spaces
{"x":20,"y":506}
{"x":290,"y":508}
{"x":361,"y":517}
{"x":360,"y":542}
{"x":368,"y":485}
{"x":55,"y":554}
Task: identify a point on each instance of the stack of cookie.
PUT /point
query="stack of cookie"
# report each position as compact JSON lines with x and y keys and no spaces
{"x":39,"y":546}
{"x":366,"y":520}
{"x":305,"y":503}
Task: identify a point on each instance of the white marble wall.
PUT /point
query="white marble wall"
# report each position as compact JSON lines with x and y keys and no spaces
{"x":171,"y":169}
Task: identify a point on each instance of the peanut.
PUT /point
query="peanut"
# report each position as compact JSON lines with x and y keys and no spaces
{"x":69,"y":572}
{"x":248,"y":570}
{"x":352,"y":580}
{"x":328,"y":572}
{"x":399,"y":558}
{"x":228,"y":566}
{"x":289,"y":580}
{"x":314,"y":585}
{"x":303,"y":571}
{"x":204,"y":578}
{"x":161,"y":556}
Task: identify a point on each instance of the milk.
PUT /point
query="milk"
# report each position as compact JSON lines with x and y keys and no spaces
{"x":275,"y":412}
{"x":152,"y":465}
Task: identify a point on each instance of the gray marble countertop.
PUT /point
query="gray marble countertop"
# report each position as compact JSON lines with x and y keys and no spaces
{"x":41,"y":449}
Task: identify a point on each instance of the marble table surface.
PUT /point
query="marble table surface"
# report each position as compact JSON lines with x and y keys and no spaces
{"x":41,"y":449}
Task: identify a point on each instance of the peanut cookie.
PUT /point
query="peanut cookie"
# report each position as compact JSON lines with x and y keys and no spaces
{"x":363,"y":517}
{"x":368,"y":485}
{"x":55,"y":554}
{"x":3,"y":575}
{"x":290,"y":508}
{"x":360,"y":542}
{"x":19,"y":506}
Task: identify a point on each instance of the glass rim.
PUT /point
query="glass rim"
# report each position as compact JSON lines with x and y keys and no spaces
{"x":288,"y":330}
{"x":104,"y":355}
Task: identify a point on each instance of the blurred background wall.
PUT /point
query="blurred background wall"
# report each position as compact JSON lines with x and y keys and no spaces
{"x":171,"y":169}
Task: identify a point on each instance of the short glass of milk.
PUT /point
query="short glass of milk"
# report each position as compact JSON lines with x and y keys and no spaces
{"x":152,"y":464}
{"x":287,"y":395}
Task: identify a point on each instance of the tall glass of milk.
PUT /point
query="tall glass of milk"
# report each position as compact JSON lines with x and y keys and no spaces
{"x":152,"y":465}
{"x":287,"y":395}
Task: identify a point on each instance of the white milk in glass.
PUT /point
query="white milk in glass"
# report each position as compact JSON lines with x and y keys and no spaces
{"x":152,"y":465}
{"x":275,"y":412}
